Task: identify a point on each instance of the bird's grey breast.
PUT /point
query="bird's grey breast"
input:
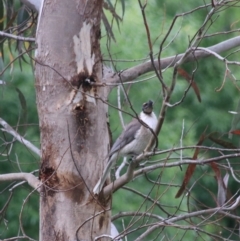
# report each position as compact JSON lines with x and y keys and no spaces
{"x":128,"y":135}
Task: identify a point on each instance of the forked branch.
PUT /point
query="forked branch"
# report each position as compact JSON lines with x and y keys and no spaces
{"x":22,"y":176}
{"x":136,"y":71}
{"x":7,"y":128}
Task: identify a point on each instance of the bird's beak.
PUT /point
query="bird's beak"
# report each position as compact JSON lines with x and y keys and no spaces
{"x":150,"y":104}
{"x":148,"y":107}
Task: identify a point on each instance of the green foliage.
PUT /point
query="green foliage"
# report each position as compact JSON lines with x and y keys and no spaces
{"x":212,"y":113}
{"x":17,"y":107}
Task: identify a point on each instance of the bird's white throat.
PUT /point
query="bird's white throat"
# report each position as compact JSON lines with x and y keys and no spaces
{"x":150,"y":120}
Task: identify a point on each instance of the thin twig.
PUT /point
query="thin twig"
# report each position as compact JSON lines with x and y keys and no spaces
{"x":28,"y":177}
{"x":7,"y":128}
{"x":138,"y":70}
{"x":19,"y":38}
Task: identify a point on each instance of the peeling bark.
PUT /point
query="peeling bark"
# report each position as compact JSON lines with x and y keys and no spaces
{"x":73,"y":123}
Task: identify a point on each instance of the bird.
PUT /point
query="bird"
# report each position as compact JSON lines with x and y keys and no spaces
{"x":132,"y":142}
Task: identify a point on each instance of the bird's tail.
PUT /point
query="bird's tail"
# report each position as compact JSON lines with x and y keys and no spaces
{"x":98,"y":187}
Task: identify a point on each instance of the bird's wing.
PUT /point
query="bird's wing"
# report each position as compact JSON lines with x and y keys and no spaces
{"x":128,"y":135}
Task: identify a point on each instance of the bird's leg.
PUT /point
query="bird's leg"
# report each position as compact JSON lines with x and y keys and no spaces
{"x":123,"y":164}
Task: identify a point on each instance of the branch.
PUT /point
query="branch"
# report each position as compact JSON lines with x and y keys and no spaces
{"x":143,"y":214}
{"x":186,"y":162}
{"x":28,"y":177}
{"x":18,"y":237}
{"x":125,"y":178}
{"x":218,"y":56}
{"x":189,"y":215}
{"x":8,"y":35}
{"x":145,"y":197}
{"x":131,"y":173}
{"x":35,"y":5}
{"x":136,"y":71}
{"x":7,"y":128}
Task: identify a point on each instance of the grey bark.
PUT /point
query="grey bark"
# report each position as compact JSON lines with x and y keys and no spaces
{"x":73,"y":120}
{"x":168,"y":62}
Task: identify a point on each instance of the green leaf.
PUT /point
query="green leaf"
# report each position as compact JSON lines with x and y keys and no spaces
{"x":123,"y":7}
{"x":23,"y":104}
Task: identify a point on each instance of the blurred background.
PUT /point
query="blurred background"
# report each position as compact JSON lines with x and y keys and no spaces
{"x":183,"y":124}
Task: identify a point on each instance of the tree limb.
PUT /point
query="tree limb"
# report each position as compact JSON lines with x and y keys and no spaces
{"x":192,"y":214}
{"x":8,"y":35}
{"x":7,"y":128}
{"x":28,"y":177}
{"x":18,"y":237}
{"x":144,"y":214}
{"x":132,"y":173}
{"x":136,"y":71}
{"x":125,"y":178}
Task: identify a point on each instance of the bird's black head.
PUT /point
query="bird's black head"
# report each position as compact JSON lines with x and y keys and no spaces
{"x":147,"y":107}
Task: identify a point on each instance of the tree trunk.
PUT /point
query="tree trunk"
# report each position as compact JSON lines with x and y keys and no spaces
{"x":73,"y":122}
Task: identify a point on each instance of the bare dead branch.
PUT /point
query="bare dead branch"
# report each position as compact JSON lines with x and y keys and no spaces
{"x":33,"y":181}
{"x":219,"y":56}
{"x":124,"y":214}
{"x":19,"y":38}
{"x":135,"y":72}
{"x":7,"y":128}
{"x":186,"y":216}
{"x":18,"y":237}
{"x":119,"y":106}
{"x":110,"y":237}
{"x":147,"y":198}
{"x":4,"y":208}
{"x":125,"y":178}
{"x":184,"y":162}
{"x":158,"y":73}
